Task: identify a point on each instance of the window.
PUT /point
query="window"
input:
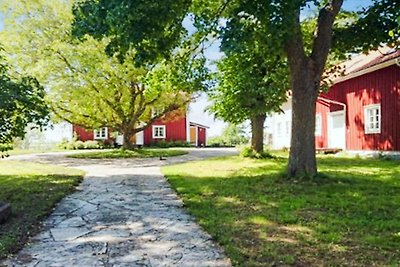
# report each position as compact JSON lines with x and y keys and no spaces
{"x":159,"y":131}
{"x":100,"y":133}
{"x":318,"y":125}
{"x":372,"y":117}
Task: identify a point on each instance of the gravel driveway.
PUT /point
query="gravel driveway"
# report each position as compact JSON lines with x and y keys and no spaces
{"x":123,"y":214}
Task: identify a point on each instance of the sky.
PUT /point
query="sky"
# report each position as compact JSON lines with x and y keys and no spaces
{"x":197,"y":111}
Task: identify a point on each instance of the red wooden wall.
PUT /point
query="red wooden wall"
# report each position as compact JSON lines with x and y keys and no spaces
{"x":322,"y":109}
{"x":175,"y":131}
{"x":381,"y":86}
{"x":85,"y":135}
{"x":201,"y":136}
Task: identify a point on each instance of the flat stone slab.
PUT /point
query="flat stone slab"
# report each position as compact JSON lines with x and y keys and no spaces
{"x":5,"y":211}
{"x":124,"y":214}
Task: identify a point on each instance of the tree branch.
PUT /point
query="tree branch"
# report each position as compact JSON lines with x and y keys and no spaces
{"x":294,"y":45}
{"x":116,"y":108}
{"x":323,"y":36}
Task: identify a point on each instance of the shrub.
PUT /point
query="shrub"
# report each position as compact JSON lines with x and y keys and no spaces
{"x":91,"y":144}
{"x":179,"y":144}
{"x":167,"y":144}
{"x":79,"y":144}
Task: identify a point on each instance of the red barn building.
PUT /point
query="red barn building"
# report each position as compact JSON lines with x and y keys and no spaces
{"x":177,"y":129}
{"x":361,"y":111}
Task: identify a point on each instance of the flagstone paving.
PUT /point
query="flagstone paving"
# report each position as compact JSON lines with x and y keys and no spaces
{"x":123,"y":214}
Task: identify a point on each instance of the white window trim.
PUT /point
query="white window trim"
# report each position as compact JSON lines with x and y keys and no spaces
{"x":154,"y":131}
{"x":96,"y":132}
{"x":318,"y":127}
{"x":368,"y":130}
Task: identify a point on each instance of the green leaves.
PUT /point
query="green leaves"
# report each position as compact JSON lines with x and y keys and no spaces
{"x":376,"y":25}
{"x":88,"y":87}
{"x":21,"y":103}
{"x":152,"y":28}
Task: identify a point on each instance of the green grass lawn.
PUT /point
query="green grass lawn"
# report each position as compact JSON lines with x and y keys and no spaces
{"x":139,"y":153}
{"x":350,"y":216}
{"x":33,"y":190}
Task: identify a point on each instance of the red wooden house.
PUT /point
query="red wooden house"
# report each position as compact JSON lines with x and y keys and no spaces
{"x":361,"y":110}
{"x":176,"y":129}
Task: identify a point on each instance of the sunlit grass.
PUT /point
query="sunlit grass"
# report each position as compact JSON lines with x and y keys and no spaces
{"x":348,"y":216}
{"x":32,"y":190}
{"x":138,"y":153}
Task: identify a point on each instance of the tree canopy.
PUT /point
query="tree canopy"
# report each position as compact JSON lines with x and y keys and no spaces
{"x":21,"y":103}
{"x":153,"y":29}
{"x":89,"y":87}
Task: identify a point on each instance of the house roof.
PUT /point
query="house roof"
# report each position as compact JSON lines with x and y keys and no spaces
{"x":365,"y":63}
{"x":198,"y":125}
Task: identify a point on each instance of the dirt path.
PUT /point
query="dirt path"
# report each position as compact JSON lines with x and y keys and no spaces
{"x":123,"y":214}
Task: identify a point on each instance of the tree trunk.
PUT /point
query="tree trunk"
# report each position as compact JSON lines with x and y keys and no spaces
{"x":127,"y":143}
{"x":257,"y":133}
{"x":305,"y":74}
{"x":302,"y":160}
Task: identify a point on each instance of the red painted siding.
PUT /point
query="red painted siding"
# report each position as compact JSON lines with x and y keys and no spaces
{"x":322,"y":109}
{"x":83,"y":134}
{"x":201,"y":136}
{"x":175,"y":131}
{"x":378,"y":87}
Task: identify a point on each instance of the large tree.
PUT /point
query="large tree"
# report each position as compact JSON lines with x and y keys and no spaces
{"x":282,"y":24}
{"x":89,"y":87}
{"x":21,"y":103}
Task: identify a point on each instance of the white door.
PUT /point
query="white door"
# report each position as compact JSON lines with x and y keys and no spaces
{"x":139,"y":138}
{"x":337,"y":130}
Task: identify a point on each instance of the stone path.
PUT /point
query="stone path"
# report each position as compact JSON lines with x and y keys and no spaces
{"x":123,"y":214}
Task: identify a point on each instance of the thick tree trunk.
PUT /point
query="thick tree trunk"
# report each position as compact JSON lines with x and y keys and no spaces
{"x":127,"y":143}
{"x":305,"y":74}
{"x":257,"y":133}
{"x":302,"y":160}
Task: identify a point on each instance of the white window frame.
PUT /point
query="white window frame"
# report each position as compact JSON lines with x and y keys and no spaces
{"x":155,"y":131}
{"x":376,"y":119}
{"x":98,"y":133}
{"x":318,"y":125}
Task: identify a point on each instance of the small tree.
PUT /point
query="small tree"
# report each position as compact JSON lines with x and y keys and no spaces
{"x":251,"y":78}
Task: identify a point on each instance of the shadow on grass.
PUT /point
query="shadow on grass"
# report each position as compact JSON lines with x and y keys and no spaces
{"x":32,"y":198}
{"x":347,"y":216}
